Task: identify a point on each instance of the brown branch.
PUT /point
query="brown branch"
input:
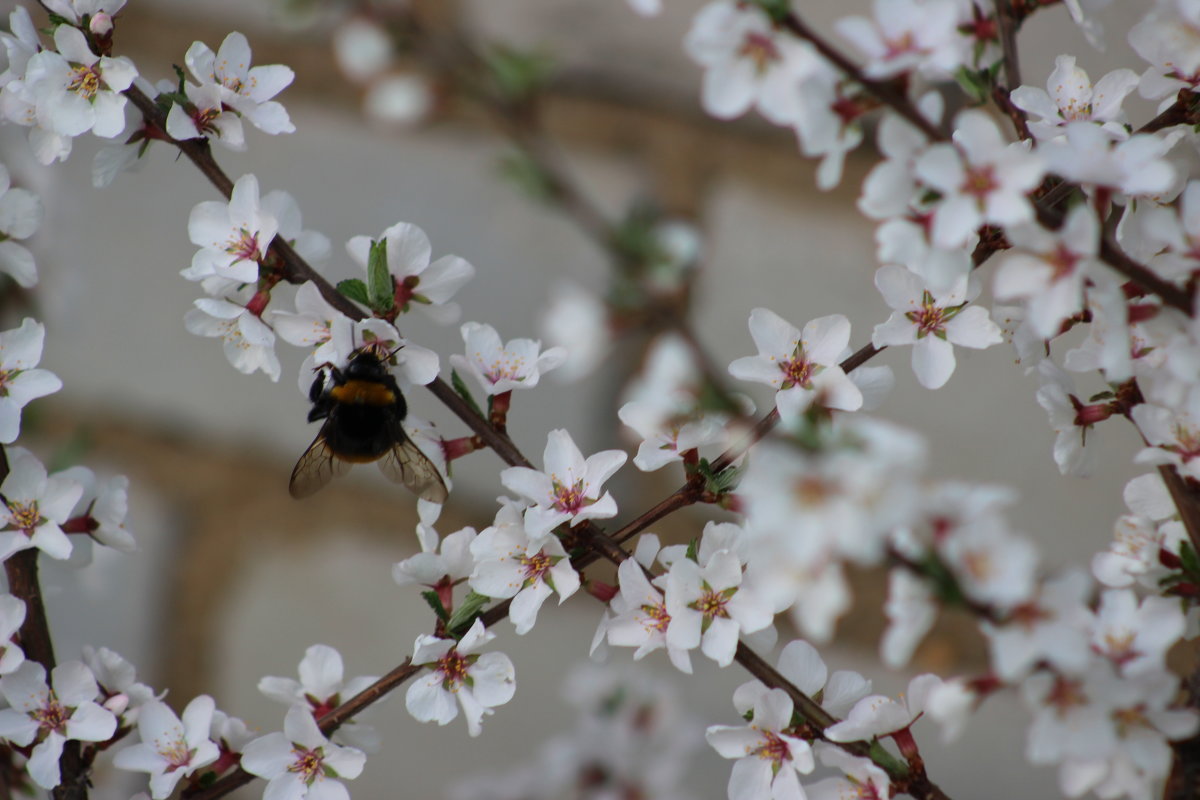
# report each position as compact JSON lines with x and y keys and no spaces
{"x":21,"y":569}
{"x":1187,"y":502}
{"x":1008,"y":23}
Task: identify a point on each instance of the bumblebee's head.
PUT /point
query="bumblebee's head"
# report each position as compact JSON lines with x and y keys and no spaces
{"x":368,"y":362}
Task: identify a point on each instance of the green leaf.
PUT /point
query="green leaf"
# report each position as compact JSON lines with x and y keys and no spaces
{"x":465,"y":614}
{"x":381,"y":290}
{"x":355,"y":289}
{"x":460,"y":388}
{"x":435,"y":602}
{"x":518,"y":74}
{"x":693,"y":550}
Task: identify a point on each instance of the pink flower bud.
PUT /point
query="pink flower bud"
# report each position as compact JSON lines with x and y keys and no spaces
{"x":101,"y":24}
{"x":117,"y":703}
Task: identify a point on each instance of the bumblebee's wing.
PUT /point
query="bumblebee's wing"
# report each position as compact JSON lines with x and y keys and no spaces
{"x":316,"y":468}
{"x":406,"y":464}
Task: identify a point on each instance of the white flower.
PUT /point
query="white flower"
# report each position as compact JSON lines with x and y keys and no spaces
{"x":641,"y":618}
{"x":78,"y":12}
{"x":452,"y":563}
{"x":170,"y":749}
{"x":248,"y":342}
{"x":747,"y":62}
{"x":879,"y":715}
{"x":117,"y":678}
{"x":500,"y":367}
{"x":710,"y":608}
{"x":233,"y":236}
{"x":311,"y":326}
{"x":20,"y":352}
{"x":1140,"y":536}
{"x":12,"y":617}
{"x":1070,"y":419}
{"x":1166,"y":38}
{"x":981,"y":178}
{"x":400,"y":100}
{"x":77,"y":90}
{"x":52,"y":716}
{"x":19,"y":104}
{"x":102,"y":509}
{"x":206,"y":116}
{"x":511,"y":563}
{"x":1136,"y":637}
{"x":801,"y":365}
{"x":1086,"y":154}
{"x":1053,"y":628}
{"x":248,"y":90}
{"x":301,"y":762}
{"x":21,"y":42}
{"x":427,"y":285}
{"x":933,"y":322}
{"x":1048,"y":270}
{"x":663,"y":406}
{"x":769,"y":759}
{"x":35,"y":507}
{"x":911,"y":611}
{"x":1070,"y":97}
{"x":569,"y":488}
{"x":20,"y":216}
{"x":906,"y":35}
{"x":322,"y":688}
{"x":861,"y":780}
{"x":479,"y":682}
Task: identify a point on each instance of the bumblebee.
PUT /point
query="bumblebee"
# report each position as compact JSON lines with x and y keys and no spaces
{"x":364,"y":413}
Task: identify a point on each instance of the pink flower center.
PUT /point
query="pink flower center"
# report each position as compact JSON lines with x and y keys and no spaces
{"x":1188,"y":446}
{"x":51,"y":717}
{"x":244,"y":246}
{"x":773,"y":748}
{"x":569,"y":498}
{"x":932,"y":318}
{"x":501,"y":369}
{"x":657,"y":618}
{"x":798,"y":370}
{"x":712,"y":603}
{"x":204,"y":119}
{"x":85,"y":81}
{"x":812,"y":490}
{"x":980,"y":182}
{"x":1065,"y":695}
{"x":1118,"y":645}
{"x":309,"y":764}
{"x":176,"y":754}
{"x":453,"y":668}
{"x":24,"y":517}
{"x":900,"y":45}
{"x":1062,"y":263}
{"x":536,"y":566}
{"x":759,"y":48}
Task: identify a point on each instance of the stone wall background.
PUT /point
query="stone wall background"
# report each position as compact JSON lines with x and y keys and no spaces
{"x":235,"y":580}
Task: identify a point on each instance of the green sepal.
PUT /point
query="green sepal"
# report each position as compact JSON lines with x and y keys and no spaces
{"x":354,"y":289}
{"x":460,"y":388}
{"x":435,"y":602}
{"x":465,"y":614}
{"x":1187,"y":556}
{"x":381,"y":290}
{"x":977,"y":84}
{"x":693,"y":550}
{"x":207,"y":779}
